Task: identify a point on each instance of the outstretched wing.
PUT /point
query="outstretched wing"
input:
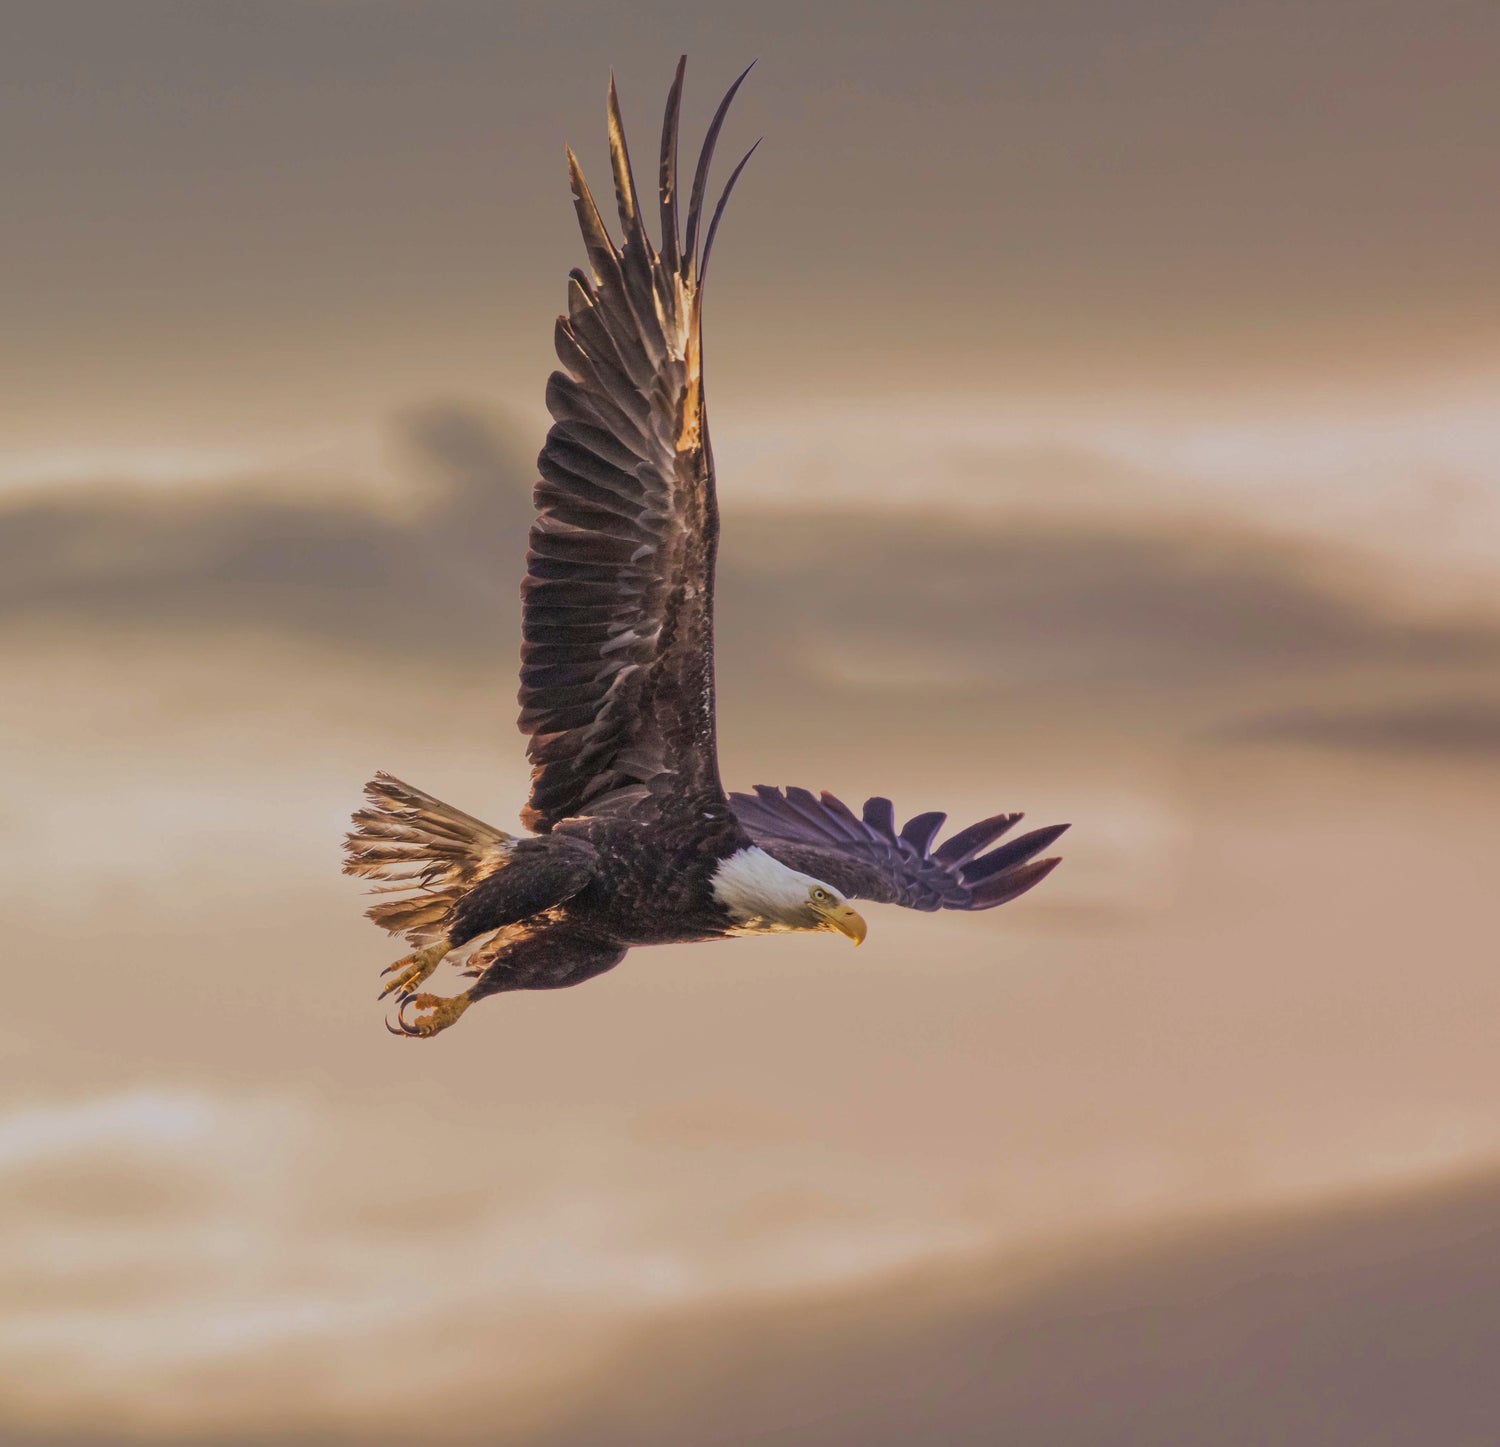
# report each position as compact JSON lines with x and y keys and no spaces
{"x":617,"y":682}
{"x":866,"y":857}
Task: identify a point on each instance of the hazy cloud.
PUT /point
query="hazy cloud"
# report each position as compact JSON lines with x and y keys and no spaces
{"x":330,"y":572}
{"x":1446,"y":728}
{"x":182,"y":1249}
{"x":1364,"y":1322}
{"x":1171,"y":619}
{"x":1350,"y":1326}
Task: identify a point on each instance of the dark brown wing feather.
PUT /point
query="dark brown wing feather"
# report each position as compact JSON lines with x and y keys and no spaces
{"x":866,"y":857}
{"x":617,"y":682}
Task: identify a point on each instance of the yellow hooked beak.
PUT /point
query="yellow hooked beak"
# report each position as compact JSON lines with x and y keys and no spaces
{"x":846,"y":920}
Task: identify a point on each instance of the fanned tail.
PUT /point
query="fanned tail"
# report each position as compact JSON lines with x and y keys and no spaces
{"x":423,"y":849}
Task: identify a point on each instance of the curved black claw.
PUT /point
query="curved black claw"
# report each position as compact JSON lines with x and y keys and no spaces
{"x":411,"y":970}
{"x":441,"y":1012}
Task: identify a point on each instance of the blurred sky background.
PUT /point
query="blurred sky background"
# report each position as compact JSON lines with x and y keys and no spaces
{"x":1144,"y":355}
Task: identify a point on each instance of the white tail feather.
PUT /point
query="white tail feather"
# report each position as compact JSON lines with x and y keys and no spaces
{"x":422,"y":848}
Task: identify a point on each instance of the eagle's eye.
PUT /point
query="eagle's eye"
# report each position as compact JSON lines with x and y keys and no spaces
{"x":819,"y":895}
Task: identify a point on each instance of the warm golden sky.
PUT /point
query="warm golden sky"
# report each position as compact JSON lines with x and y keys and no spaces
{"x":1140,"y":359}
{"x":229,"y":219}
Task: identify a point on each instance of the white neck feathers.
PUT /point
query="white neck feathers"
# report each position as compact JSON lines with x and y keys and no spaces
{"x":762,"y":894}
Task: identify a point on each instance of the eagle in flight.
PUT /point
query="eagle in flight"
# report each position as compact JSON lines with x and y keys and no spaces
{"x":634,"y":840}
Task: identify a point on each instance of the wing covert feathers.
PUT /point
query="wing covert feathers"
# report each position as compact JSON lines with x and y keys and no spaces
{"x":866,"y":856}
{"x":617,"y":690}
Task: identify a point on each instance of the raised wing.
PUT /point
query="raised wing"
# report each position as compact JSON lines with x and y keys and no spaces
{"x":617,"y":679}
{"x":867,"y":857}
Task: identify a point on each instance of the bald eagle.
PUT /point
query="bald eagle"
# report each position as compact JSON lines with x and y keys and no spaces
{"x":634,"y":840}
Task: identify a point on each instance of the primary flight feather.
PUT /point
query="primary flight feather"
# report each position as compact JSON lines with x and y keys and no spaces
{"x":634,"y":839}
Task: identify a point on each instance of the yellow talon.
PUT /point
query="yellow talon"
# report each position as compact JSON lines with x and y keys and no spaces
{"x":441,"y":1012}
{"x":409,"y":971}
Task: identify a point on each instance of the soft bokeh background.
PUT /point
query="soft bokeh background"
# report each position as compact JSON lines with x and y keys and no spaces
{"x":1142,"y":357}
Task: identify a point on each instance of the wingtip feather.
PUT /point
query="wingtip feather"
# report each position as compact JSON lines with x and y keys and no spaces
{"x":671,"y":252}
{"x":713,"y":225}
{"x":1013,"y":884}
{"x":619,"y":158}
{"x":705,"y":160}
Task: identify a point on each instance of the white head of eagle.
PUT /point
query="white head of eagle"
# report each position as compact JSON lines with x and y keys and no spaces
{"x":764,"y":896}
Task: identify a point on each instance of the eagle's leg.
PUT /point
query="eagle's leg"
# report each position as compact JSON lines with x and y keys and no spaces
{"x":433,"y":1013}
{"x":550,"y":959}
{"x":411,"y":970}
{"x":535,"y":876}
